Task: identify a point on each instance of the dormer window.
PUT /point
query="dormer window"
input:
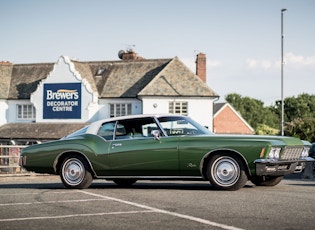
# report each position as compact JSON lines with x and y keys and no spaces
{"x":100,"y":71}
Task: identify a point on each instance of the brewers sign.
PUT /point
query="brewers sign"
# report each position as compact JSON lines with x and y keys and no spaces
{"x":62,"y":101}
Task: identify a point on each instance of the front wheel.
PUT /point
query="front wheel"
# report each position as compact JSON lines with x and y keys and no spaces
{"x":266,"y":180}
{"x":226,"y":172}
{"x":75,"y":172}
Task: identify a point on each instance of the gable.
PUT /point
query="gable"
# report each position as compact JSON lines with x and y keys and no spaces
{"x":177,"y":80}
{"x":227,"y":120}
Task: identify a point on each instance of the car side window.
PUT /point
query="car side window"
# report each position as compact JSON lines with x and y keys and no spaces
{"x":135,"y":128}
{"x":107,"y":130}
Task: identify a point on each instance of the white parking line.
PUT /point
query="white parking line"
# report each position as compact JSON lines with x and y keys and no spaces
{"x":74,"y":215}
{"x":192,"y":218}
{"x":51,"y":202}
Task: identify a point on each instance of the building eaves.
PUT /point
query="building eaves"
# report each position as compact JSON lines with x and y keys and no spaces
{"x":38,"y":131}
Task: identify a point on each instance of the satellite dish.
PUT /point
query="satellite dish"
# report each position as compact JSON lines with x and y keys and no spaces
{"x":120,"y":54}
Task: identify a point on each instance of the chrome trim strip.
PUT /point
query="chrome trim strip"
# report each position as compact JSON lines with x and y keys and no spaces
{"x":154,"y":177}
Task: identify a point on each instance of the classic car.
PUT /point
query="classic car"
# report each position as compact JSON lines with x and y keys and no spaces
{"x":163,"y":147}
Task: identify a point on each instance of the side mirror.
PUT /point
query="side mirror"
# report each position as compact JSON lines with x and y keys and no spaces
{"x":156,"y":134}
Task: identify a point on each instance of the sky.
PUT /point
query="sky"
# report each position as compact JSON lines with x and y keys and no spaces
{"x":241,"y":38}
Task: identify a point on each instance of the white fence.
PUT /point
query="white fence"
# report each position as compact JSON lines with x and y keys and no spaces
{"x":9,"y":158}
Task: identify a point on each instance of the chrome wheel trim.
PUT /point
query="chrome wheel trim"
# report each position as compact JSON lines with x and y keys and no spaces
{"x":73,"y":171}
{"x":225,"y":171}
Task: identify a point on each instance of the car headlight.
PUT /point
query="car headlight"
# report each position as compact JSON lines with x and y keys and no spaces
{"x":274,"y":153}
{"x":305,"y":152}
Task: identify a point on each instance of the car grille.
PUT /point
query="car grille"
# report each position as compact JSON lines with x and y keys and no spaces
{"x":292,"y":153}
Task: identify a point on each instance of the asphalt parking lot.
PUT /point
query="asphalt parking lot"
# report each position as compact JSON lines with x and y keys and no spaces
{"x":42,"y":202}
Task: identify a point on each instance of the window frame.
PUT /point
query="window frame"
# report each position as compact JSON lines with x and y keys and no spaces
{"x":25,"y":112}
{"x":120,"y":109}
{"x":178,"y":107}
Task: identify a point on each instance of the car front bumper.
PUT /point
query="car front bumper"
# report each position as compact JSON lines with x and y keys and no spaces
{"x":268,"y":167}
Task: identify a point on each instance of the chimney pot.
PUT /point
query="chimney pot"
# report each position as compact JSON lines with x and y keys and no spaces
{"x":131,"y":55}
{"x":5,"y":63}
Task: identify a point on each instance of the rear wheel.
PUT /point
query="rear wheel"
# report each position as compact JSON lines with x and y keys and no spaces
{"x":125,"y":182}
{"x":75,"y":172}
{"x":266,"y":180}
{"x":226,"y":172}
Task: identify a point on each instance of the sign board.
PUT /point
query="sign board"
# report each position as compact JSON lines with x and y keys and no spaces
{"x":62,"y":101}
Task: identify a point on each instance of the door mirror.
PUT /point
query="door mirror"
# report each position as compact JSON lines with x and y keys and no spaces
{"x":156,"y":134}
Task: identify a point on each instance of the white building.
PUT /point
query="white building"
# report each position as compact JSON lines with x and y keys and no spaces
{"x":49,"y":100}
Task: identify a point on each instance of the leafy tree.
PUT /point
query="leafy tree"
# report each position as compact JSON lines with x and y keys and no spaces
{"x":299,"y":115}
{"x":301,"y":128}
{"x":252,"y":110}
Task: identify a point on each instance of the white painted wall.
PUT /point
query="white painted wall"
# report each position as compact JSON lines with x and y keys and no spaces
{"x":64,"y":72}
{"x":11,"y":113}
{"x":3,"y":112}
{"x":200,"y":109}
{"x":103,"y":111}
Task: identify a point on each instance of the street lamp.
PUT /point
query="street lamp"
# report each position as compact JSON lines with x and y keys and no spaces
{"x":282,"y":100}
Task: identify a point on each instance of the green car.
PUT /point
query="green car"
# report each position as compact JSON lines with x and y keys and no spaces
{"x":164,"y":147}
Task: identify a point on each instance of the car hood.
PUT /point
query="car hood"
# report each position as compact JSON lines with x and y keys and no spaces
{"x":274,"y":140}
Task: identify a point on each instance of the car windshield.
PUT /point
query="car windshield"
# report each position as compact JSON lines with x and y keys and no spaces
{"x":182,"y":126}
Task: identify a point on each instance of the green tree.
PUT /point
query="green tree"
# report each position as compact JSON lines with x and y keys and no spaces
{"x":299,"y":115}
{"x":253,"y":111}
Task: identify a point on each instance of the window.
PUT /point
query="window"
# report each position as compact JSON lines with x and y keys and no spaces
{"x":178,"y":107}
{"x":128,"y":129}
{"x":26,"y":112}
{"x":107,"y":130}
{"x":117,"y":110}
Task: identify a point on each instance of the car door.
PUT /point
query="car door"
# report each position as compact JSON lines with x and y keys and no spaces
{"x":135,"y":152}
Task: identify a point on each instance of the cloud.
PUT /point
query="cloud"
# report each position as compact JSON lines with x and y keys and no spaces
{"x":290,"y":60}
{"x":261,"y":64}
{"x":299,"y":60}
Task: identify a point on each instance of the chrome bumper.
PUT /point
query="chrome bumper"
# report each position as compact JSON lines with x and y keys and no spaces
{"x":269,"y":167}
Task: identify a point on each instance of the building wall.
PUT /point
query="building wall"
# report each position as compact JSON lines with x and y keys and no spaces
{"x":228,"y":122}
{"x":91,"y":107}
{"x":104,"y":112}
{"x":12,"y":113}
{"x":199,"y":109}
{"x":64,"y":73}
{"x":3,"y":112}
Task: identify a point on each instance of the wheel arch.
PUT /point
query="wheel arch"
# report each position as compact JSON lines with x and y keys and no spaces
{"x":60,"y":158}
{"x":207,"y":157}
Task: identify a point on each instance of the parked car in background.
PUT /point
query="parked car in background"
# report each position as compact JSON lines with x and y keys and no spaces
{"x":312,"y":154}
{"x":312,"y":151}
{"x":151,"y":147}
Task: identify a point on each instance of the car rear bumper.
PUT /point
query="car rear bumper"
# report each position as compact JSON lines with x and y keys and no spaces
{"x":267,"y":167}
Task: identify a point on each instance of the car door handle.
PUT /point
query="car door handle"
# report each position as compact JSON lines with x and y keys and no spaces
{"x":116,"y":145}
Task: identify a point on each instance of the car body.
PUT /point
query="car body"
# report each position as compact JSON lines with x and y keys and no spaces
{"x":312,"y":154}
{"x":312,"y":150}
{"x":130,"y":148}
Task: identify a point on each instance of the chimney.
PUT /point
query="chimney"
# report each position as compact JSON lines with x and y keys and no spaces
{"x":201,"y":69}
{"x":5,"y":63}
{"x":129,"y":55}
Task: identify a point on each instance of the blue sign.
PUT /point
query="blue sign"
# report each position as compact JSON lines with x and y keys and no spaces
{"x":62,"y":101}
